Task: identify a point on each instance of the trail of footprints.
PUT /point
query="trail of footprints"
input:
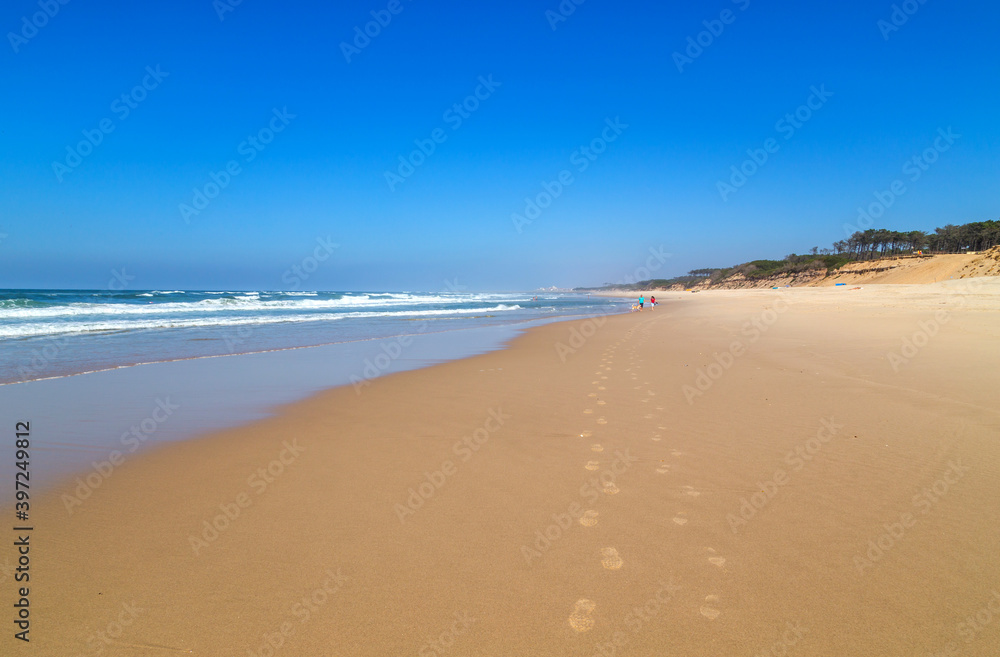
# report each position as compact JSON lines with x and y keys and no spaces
{"x":582,"y":617}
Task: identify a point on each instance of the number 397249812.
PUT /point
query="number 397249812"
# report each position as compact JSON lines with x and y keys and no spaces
{"x":23,"y":475}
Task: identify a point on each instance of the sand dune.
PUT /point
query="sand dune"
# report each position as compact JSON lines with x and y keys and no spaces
{"x":915,"y":270}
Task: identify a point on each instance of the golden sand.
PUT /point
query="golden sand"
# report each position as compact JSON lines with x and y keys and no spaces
{"x":774,"y":472}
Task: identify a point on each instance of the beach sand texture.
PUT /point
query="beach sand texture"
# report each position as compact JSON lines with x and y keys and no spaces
{"x":731,"y":473}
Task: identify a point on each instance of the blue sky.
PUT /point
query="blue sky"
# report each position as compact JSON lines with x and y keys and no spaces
{"x":552,"y":86}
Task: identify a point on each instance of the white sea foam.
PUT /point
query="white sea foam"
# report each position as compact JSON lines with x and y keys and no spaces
{"x":82,"y":325}
{"x":247,"y":302}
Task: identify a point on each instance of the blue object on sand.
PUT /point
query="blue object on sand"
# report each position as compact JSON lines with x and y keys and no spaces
{"x":838,"y":284}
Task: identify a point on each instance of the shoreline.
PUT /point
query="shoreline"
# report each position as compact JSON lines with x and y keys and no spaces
{"x":234,"y":529}
{"x":513,"y":324}
{"x":91,"y":402}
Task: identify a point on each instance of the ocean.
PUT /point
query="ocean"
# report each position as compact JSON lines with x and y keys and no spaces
{"x":52,"y":333}
{"x":165,"y":365}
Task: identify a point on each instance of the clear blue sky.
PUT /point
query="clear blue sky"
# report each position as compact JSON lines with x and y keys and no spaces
{"x":324,"y":173}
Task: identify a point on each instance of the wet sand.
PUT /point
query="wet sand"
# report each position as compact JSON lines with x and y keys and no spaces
{"x":746,"y":472}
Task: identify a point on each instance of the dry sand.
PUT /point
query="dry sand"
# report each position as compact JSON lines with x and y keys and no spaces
{"x":871,"y":487}
{"x":907,"y":270}
{"x":912,"y":270}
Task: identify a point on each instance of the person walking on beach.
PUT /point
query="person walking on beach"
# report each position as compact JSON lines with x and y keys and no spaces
{"x":642,"y":300}
{"x":652,"y":302}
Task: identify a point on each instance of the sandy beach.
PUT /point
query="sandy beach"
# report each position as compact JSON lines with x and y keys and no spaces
{"x":754,"y":472}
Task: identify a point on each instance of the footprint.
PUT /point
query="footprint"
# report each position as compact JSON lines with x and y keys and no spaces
{"x":718,"y":561}
{"x":680,"y":521}
{"x":663,"y":469}
{"x":587,"y":434}
{"x":601,"y":387}
{"x":650,"y":393}
{"x":610,"y":488}
{"x":689,"y":490}
{"x":656,"y":439}
{"x":591,"y":394}
{"x":589,"y":518}
{"x":580,"y":619}
{"x":601,"y":420}
{"x":676,"y":453}
{"x":597,"y":447}
{"x":709,"y":612}
{"x":648,"y":416}
{"x":592,"y":465}
{"x":588,"y":411}
{"x":611,"y":559}
{"x":601,"y":402}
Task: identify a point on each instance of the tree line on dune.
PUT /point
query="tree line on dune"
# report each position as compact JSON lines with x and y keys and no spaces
{"x":869,"y":244}
{"x":879,"y":243}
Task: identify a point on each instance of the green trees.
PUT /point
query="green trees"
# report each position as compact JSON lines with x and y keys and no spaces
{"x":862,"y":245}
{"x":879,"y":242}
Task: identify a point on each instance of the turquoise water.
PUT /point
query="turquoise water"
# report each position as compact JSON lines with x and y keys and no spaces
{"x":161,"y":366}
{"x":52,"y":333}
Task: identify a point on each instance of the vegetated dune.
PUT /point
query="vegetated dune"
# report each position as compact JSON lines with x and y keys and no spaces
{"x":917,"y":269}
{"x":899,"y":270}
